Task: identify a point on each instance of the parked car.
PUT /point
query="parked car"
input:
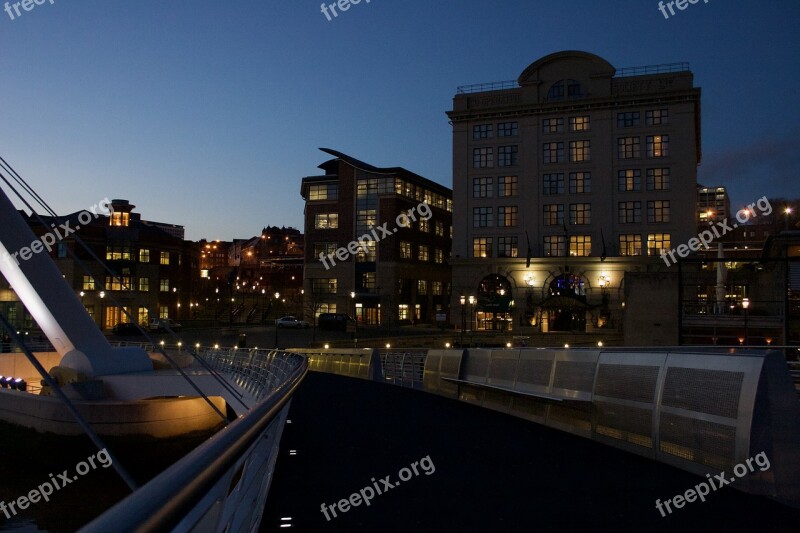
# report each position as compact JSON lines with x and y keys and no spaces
{"x":334,"y":321}
{"x":291,"y":322}
{"x":126,"y":328}
{"x":160,"y":325}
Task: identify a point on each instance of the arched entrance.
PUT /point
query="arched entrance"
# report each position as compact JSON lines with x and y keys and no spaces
{"x":495,"y":303}
{"x":564,"y":309}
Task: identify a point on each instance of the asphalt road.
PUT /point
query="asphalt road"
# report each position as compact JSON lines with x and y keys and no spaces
{"x":492,"y":472}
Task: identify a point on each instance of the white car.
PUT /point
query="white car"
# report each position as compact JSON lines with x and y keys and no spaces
{"x":291,"y":322}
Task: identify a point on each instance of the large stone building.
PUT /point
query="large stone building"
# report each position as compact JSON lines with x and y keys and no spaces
{"x":564,"y":180}
{"x":402,"y":276}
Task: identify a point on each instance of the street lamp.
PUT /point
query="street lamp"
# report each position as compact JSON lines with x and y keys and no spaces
{"x":470,"y":311}
{"x":355,"y":318}
{"x":277,"y":296}
{"x":745,"y":306}
{"x":463,"y":300}
{"x":787,"y":211}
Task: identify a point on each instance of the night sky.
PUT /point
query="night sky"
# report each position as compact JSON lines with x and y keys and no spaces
{"x":208,"y":114}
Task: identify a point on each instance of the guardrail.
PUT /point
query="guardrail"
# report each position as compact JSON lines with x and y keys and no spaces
{"x":699,"y":409}
{"x":213,"y":488}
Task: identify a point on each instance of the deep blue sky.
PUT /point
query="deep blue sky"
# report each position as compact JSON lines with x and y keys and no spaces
{"x":207,"y":114}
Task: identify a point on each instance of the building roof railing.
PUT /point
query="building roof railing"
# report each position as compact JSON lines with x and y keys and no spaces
{"x":491,"y":86}
{"x":663,"y":68}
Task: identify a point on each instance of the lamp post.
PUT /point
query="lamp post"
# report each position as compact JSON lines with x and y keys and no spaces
{"x":787,"y":211}
{"x":355,"y":318}
{"x":745,"y":306}
{"x":463,"y":300}
{"x":471,"y":310}
{"x":277,"y":296}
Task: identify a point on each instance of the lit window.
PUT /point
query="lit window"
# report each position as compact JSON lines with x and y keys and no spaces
{"x":144,"y":255}
{"x":507,"y":216}
{"x":580,"y":214}
{"x":163,"y":285}
{"x":88,"y":283}
{"x":579,"y":123}
{"x":324,"y":285}
{"x":164,"y":258}
{"x":630,"y":244}
{"x":658,"y":243}
{"x":422,"y":287}
{"x":482,"y":247}
{"x":579,"y":151}
{"x":144,"y":284}
{"x":629,"y":180}
{"x":658,"y":146}
{"x":405,"y":250}
{"x":120,"y":219}
{"x":580,"y":182}
{"x":507,"y":247}
{"x":324,"y":191}
{"x":580,"y":245}
{"x":506,"y":186}
{"x":326,"y":221}
{"x":423,"y":253}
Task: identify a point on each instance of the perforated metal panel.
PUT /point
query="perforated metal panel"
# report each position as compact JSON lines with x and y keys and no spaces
{"x":571,"y":418}
{"x":574,"y":375}
{"x":503,"y":367}
{"x":627,"y":382}
{"x":535,"y":371}
{"x":625,"y":423}
{"x":714,"y":392}
{"x":699,"y":441}
{"x":476,"y":365}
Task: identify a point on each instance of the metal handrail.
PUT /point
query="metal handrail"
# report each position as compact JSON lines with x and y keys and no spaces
{"x":663,"y":68}
{"x":490,"y":86}
{"x":165,"y":500}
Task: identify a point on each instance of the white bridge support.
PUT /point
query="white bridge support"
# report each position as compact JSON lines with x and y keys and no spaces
{"x":55,"y":307}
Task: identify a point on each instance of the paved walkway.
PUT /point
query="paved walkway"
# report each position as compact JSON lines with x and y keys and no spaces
{"x":492,"y":472}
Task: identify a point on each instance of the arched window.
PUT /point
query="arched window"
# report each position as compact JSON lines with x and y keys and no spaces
{"x":565,"y":88}
{"x":568,"y":285}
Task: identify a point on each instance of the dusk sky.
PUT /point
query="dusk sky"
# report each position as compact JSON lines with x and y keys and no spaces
{"x":208,"y":114}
